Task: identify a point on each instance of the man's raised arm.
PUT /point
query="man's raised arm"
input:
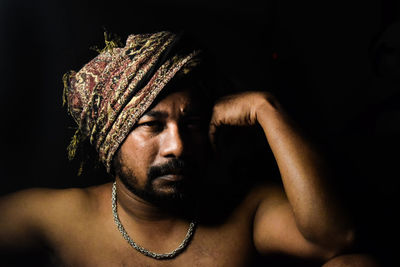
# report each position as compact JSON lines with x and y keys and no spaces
{"x":306,"y":221}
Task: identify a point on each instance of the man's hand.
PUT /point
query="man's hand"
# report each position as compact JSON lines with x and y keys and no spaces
{"x":237,"y":110}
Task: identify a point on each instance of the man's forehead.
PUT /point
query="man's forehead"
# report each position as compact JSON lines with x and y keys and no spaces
{"x":183,"y":101}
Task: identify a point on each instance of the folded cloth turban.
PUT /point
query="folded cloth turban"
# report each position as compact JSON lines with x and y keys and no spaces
{"x":111,"y":92}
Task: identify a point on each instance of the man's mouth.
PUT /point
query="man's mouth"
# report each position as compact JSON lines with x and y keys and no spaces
{"x":173,"y":177}
{"x":172,"y":171}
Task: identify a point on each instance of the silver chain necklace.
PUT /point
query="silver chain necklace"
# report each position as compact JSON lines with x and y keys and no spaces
{"x":142,"y":250}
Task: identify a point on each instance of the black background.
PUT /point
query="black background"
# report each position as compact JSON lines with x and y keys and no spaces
{"x":333,"y":64}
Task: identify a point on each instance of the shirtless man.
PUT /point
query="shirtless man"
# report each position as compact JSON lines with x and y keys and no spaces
{"x":162,"y":200}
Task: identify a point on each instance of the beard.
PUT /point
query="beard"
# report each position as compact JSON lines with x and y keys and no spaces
{"x":157,"y":191}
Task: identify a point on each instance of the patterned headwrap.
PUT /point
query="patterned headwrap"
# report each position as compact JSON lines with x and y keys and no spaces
{"x":111,"y":92}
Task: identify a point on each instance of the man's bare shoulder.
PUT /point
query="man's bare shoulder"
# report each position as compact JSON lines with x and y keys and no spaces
{"x":46,"y":199}
{"x":259,"y":196}
{"x":265,"y":193}
{"x":42,"y":212}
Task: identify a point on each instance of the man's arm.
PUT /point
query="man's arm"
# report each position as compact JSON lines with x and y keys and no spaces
{"x":307,"y":220}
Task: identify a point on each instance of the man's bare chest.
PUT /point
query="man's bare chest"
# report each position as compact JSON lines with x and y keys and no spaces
{"x":226,"y":245}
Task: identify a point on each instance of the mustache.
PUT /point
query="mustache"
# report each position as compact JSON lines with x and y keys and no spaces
{"x":173,"y":166}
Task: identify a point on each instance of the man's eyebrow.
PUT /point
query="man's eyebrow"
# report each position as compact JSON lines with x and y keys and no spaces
{"x":156,"y":114}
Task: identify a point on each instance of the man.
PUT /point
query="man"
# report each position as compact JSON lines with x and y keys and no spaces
{"x":144,"y":110}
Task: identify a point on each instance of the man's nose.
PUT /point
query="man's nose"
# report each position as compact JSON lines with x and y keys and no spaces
{"x":172,"y":143}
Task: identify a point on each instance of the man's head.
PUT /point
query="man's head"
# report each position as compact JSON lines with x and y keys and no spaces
{"x":166,"y":152}
{"x":108,"y":95}
{"x":120,"y":103}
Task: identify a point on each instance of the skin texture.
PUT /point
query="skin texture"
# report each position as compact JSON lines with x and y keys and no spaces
{"x":303,"y":219}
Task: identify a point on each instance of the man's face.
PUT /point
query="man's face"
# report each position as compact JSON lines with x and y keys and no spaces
{"x":166,"y":151}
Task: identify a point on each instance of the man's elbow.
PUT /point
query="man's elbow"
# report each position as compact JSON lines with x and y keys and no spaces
{"x":340,"y":243}
{"x":334,"y":243}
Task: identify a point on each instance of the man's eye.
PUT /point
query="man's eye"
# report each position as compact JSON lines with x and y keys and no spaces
{"x":154,"y":125}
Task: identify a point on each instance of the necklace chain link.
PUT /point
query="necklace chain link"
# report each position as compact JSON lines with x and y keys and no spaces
{"x":158,"y":256}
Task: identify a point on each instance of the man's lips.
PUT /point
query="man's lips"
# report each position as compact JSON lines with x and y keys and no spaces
{"x":172,"y":177}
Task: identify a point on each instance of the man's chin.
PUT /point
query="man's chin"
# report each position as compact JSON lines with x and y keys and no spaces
{"x":170,"y":188}
{"x":167,"y":195}
{"x":170,"y":193}
{"x":164,"y":191}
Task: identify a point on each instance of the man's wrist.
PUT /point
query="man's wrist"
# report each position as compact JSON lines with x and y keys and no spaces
{"x":266,"y":108}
